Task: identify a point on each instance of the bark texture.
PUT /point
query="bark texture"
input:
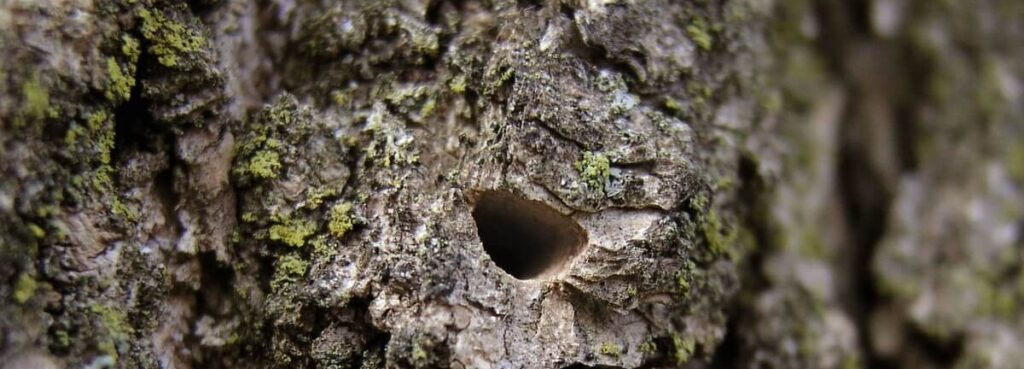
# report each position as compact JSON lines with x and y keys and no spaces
{"x":512,"y":184}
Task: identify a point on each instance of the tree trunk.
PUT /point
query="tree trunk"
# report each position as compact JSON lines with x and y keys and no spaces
{"x":512,"y":184}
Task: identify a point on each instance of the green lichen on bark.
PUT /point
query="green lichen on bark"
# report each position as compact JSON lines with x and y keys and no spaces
{"x":288,"y":269}
{"x":24,"y":288}
{"x":698,"y":31}
{"x":35,"y":103}
{"x":264,"y":164}
{"x":595,"y":169}
{"x":130,"y":48}
{"x":340,"y":221}
{"x":119,"y":83}
{"x":610,"y":349}
{"x":115,"y":327}
{"x":168,"y":39}
{"x":292,"y":232}
{"x":683,"y":349}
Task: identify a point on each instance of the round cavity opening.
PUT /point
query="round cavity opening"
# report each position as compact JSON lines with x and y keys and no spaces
{"x":526,"y":238}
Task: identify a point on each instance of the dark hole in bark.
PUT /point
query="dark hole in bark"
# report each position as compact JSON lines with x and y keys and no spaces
{"x":526,"y":238}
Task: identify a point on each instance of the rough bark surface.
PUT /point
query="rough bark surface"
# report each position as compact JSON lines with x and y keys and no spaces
{"x":512,"y":184}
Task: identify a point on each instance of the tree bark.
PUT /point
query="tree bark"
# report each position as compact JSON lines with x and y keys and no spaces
{"x":512,"y":184}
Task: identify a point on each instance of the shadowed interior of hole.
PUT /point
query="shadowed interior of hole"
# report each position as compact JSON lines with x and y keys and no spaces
{"x":526,"y":238}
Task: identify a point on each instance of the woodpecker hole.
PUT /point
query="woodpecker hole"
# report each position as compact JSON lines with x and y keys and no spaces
{"x":526,"y":238}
